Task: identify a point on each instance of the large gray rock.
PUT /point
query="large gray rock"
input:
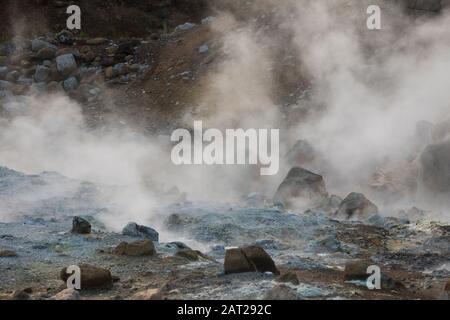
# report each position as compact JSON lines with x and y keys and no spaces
{"x":134,"y":230}
{"x":301,"y":188}
{"x":435,"y":167}
{"x":356,"y":205}
{"x":42,"y":73}
{"x":66,"y":64}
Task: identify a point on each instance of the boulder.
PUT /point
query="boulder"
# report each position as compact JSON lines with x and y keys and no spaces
{"x":41,"y":74}
{"x":248,"y":259}
{"x":134,"y":230}
{"x":356,"y":205}
{"x":301,"y":188}
{"x":435,"y":167}
{"x":81,"y":226}
{"x":91,"y":277}
{"x":136,"y":249}
{"x":66,"y":64}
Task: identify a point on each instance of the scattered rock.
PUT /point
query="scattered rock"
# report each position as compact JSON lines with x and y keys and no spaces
{"x":134,"y":230}
{"x":91,"y":277}
{"x":46,"y":54}
{"x":81,"y":226}
{"x":281,"y":292}
{"x":356,"y":205}
{"x":435,"y":163}
{"x":42,"y":74}
{"x":38,"y":44}
{"x":301,"y":188}
{"x":185,"y":26}
{"x":248,"y":259}
{"x":67,"y":295}
{"x":289,"y":277}
{"x":136,"y":249}
{"x":7,"y":254}
{"x":66,"y":64}
{"x":70,"y":84}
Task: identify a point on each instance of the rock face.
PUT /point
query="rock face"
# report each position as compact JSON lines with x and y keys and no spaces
{"x":356,"y":205}
{"x":301,"y":188}
{"x":136,"y":249}
{"x":134,"y":230}
{"x":66,"y":64}
{"x":248,"y":259}
{"x":81,"y":226}
{"x":435,"y":167}
{"x":91,"y":277}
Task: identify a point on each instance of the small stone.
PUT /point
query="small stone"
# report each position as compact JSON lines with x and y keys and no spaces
{"x":70,"y":84}
{"x":38,"y":44}
{"x":7,"y":254}
{"x":203,"y":49}
{"x":41,"y":74}
{"x":185,"y":26}
{"x":66,"y":64}
{"x":96,"y":41}
{"x":81,"y":226}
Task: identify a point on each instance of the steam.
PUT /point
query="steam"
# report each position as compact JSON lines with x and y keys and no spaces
{"x":369,"y":91}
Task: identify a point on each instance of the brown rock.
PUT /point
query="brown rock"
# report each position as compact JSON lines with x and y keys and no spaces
{"x":7,"y":254}
{"x":357,"y":270}
{"x":91,"y":277}
{"x":110,"y":73}
{"x":188,"y":254}
{"x":136,"y":249}
{"x":248,"y":259}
